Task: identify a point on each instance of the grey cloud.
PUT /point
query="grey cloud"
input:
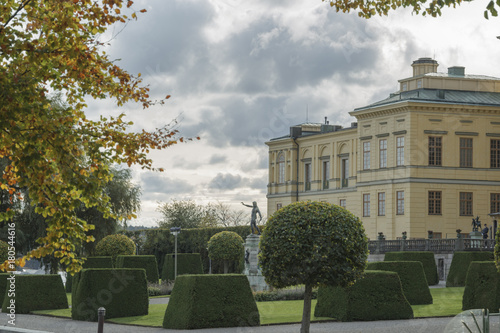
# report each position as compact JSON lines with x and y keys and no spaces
{"x":217,"y":158}
{"x":225,"y":182}
{"x":155,"y":185}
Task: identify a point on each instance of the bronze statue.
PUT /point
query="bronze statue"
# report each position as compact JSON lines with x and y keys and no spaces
{"x":255,"y":211}
{"x":476,"y":224}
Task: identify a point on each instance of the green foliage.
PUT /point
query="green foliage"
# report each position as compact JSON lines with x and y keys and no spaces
{"x":160,"y":242}
{"x":482,"y":287}
{"x":376,"y":296}
{"x":460,"y":265}
{"x":225,"y":245}
{"x":496,"y":250}
{"x":4,"y":251}
{"x":208,"y":301}
{"x":3,"y":284}
{"x":90,"y":262}
{"x":412,"y":277}
{"x":187,"y":263}
{"x":282,"y":295}
{"x":123,"y":292}
{"x":147,"y":262}
{"x":425,"y":257}
{"x":36,"y":292}
{"x":368,"y":9}
{"x":115,"y":245}
{"x":313,"y":243}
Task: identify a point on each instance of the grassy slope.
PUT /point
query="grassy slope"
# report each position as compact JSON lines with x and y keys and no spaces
{"x":447,"y":302}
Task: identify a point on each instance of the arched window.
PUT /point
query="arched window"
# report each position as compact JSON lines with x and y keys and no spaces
{"x":281,"y":168}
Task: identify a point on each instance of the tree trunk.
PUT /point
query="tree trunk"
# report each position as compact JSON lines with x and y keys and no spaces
{"x":306,"y":314}
{"x":226,"y":266}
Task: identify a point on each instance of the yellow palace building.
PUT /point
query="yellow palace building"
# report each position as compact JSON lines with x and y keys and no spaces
{"x":427,"y":158}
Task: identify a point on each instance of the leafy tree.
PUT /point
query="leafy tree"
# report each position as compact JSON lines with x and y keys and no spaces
{"x":54,"y":151}
{"x":181,"y":213}
{"x":312,"y":243}
{"x":226,"y":246}
{"x":368,"y":9}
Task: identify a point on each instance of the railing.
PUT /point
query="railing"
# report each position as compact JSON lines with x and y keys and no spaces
{"x":447,"y":245}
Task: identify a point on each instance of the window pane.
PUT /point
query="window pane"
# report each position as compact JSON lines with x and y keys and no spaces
{"x":400,"y":150}
{"x":383,"y":153}
{"x":366,"y":155}
{"x":465,"y":152}
{"x":434,"y":202}
{"x":381,"y":204}
{"x":435,"y":145}
{"x":400,"y":197}
{"x":366,"y":205}
{"x":495,"y":153}
{"x":465,"y":203}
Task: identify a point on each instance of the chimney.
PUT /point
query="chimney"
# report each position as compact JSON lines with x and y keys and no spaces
{"x":456,"y":71}
{"x":424,"y":65}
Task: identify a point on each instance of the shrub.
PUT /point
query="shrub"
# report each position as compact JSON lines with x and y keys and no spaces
{"x":90,"y":262}
{"x":4,"y":284}
{"x":412,"y":276}
{"x":282,"y":295}
{"x":226,"y":246}
{"x":207,"y":301}
{"x":37,"y":292}
{"x":156,"y":289}
{"x":376,"y":296}
{"x":482,"y":289}
{"x":122,"y":291}
{"x":115,"y":245}
{"x":187,"y":263}
{"x":460,"y":264}
{"x":146,"y":262}
{"x":4,"y":251}
{"x":425,"y":257}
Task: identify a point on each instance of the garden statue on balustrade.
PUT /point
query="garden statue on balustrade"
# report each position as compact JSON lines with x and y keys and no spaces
{"x":476,"y":224}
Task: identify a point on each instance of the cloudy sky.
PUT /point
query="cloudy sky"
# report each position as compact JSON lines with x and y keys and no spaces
{"x":241,"y":72}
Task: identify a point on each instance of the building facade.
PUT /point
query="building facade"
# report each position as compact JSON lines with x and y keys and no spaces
{"x":427,"y":158}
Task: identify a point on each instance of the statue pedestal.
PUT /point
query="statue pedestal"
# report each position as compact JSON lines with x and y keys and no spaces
{"x":252,"y":269}
{"x":476,"y":239}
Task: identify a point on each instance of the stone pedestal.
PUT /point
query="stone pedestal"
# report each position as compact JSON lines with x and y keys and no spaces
{"x":476,"y":239}
{"x":252,"y":269}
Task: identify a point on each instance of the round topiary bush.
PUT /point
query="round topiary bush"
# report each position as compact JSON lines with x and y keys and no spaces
{"x":226,"y":246}
{"x":4,"y":251}
{"x":115,"y":245}
{"x":312,"y":243}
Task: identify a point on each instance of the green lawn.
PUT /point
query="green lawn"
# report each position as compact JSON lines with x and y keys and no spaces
{"x":447,"y":302}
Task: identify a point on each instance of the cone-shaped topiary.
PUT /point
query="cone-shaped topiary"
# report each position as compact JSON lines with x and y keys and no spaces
{"x":226,"y":246}
{"x":312,"y":243}
{"x":115,"y":245}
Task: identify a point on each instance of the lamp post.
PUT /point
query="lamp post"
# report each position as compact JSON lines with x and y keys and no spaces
{"x":175,"y":231}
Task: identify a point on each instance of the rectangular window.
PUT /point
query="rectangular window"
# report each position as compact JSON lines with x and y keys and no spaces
{"x":495,"y":153}
{"x":345,"y":172}
{"x":400,"y":202}
{"x":434,"y":202}
{"x":383,"y":153}
{"x":435,"y":150}
{"x":400,"y":150}
{"x":279,"y":206}
{"x":494,"y":202}
{"x":343,"y":203}
{"x":381,"y":204}
{"x":366,"y":204}
{"x":326,"y":174}
{"x":307,"y":176}
{"x":465,"y":203}
{"x":465,"y":152}
{"x":366,"y":155}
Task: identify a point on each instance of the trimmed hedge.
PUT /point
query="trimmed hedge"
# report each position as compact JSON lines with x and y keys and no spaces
{"x":482,"y":287}
{"x":160,"y":242}
{"x":460,"y":264}
{"x":147,"y":262}
{"x":209,"y":301}
{"x":425,"y":257}
{"x":376,"y":296}
{"x":37,"y":292}
{"x":4,"y":251}
{"x":187,"y":263}
{"x":123,"y":292}
{"x":90,"y":262}
{"x":4,"y":284}
{"x":412,"y":278}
